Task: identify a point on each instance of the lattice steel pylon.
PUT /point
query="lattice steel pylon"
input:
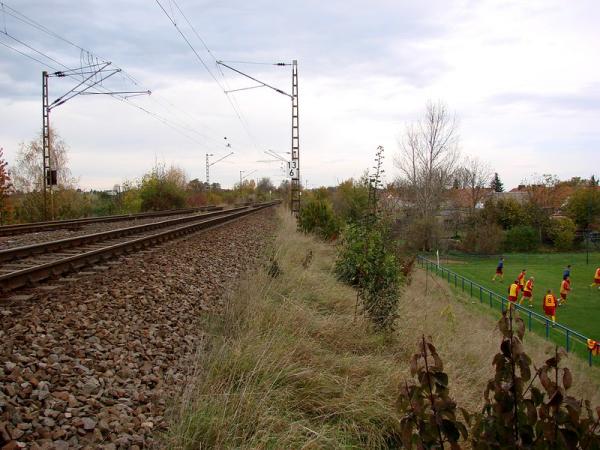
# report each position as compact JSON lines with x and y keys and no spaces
{"x":87,"y":77}
{"x":296,"y":185}
{"x":47,"y":164}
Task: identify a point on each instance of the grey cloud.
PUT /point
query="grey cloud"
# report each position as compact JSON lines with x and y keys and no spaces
{"x":325,"y":37}
{"x":587,"y":101}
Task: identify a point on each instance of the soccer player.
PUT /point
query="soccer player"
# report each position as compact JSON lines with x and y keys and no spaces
{"x":565,"y":287}
{"x":528,"y":292}
{"x":596,"y":279}
{"x":499,"y":270}
{"x":513,"y":293}
{"x":521,"y":278}
{"x":567,"y":272}
{"x":550,"y":305}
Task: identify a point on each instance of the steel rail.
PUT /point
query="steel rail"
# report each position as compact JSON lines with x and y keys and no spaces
{"x":23,"y":228}
{"x":25,"y":251}
{"x":69,"y":263}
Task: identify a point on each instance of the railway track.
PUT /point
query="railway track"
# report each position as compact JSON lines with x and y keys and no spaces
{"x":74,"y":224}
{"x":26,"y":265}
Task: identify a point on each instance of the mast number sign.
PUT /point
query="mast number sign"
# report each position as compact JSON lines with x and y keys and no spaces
{"x":292,"y":169}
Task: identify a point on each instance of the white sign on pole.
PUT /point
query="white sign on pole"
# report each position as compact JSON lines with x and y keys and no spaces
{"x":292,"y":169}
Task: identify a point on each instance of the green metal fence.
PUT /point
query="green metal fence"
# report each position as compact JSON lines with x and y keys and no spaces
{"x":573,"y":340}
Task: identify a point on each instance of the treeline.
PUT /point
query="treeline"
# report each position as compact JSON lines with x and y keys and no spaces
{"x":162,"y":187}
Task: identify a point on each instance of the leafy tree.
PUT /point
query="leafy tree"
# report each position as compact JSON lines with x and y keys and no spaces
{"x":351,"y":199}
{"x":264,"y":188}
{"x":6,"y":189}
{"x":505,"y":212}
{"x":196,"y":185}
{"x":584,"y":207}
{"x":163,"y":189}
{"x":521,"y":238}
{"x":593,"y":181}
{"x":496,"y":184}
{"x":562,"y":233}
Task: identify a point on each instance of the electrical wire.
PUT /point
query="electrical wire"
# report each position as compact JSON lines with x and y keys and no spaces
{"x":28,"y":56}
{"x":93,"y":60}
{"x":233,"y":104}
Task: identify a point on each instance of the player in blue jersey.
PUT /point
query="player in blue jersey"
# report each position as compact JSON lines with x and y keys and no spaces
{"x":499,"y":270}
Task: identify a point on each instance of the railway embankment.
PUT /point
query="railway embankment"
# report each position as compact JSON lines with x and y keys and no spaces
{"x":92,"y":360}
{"x":289,"y":364}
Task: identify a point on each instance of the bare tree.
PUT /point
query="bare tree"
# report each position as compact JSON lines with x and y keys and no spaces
{"x":475,"y":176}
{"x":428,"y":157}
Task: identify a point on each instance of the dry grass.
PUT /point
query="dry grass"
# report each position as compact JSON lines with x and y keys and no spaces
{"x":288,"y":366}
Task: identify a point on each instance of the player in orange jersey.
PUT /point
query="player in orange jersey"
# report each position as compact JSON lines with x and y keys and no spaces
{"x":521,"y":278}
{"x":596,"y":279}
{"x":550,"y":305}
{"x":513,"y":293}
{"x":528,"y":292}
{"x":565,"y":288}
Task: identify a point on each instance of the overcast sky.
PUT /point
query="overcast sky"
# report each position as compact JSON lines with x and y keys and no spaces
{"x":523,"y":79}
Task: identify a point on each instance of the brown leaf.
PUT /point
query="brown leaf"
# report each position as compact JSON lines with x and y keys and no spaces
{"x":545,"y":380}
{"x":556,"y":398}
{"x":551,"y":362}
{"x":567,"y":378}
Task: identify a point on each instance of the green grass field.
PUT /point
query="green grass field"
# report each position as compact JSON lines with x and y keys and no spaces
{"x":582,"y":312}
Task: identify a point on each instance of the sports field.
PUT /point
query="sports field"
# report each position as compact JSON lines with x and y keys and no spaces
{"x":582,"y":311}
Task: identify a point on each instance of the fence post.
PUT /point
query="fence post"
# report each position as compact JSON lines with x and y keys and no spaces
{"x":480,"y":295}
{"x":455,"y":283}
{"x":547,"y":329}
{"x":491,"y":299}
{"x":463,"y":284}
{"x":568,"y":340}
{"x":529,"y":321}
{"x":471,"y":287}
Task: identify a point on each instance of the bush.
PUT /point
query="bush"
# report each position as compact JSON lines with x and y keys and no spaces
{"x":521,"y":238}
{"x":562,"y":233}
{"x":483,"y":238}
{"x":523,"y":409}
{"x":316,"y":216}
{"x":162,"y":189}
{"x":351,"y":199}
{"x":422,"y":235}
{"x":366,"y":261}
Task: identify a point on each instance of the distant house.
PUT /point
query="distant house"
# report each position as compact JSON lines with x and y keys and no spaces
{"x":519,"y":195}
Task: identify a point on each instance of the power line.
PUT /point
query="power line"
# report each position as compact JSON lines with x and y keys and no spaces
{"x":28,"y":56}
{"x":171,"y":124}
{"x":256,"y":63}
{"x":235,"y":107}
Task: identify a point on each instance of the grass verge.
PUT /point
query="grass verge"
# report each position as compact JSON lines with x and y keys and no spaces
{"x":287,"y":365}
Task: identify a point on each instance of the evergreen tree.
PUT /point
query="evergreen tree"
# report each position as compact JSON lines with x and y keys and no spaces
{"x":593,"y":181}
{"x":496,"y":184}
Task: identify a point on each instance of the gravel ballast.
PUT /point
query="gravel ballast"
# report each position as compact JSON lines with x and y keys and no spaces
{"x":91,"y":361}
